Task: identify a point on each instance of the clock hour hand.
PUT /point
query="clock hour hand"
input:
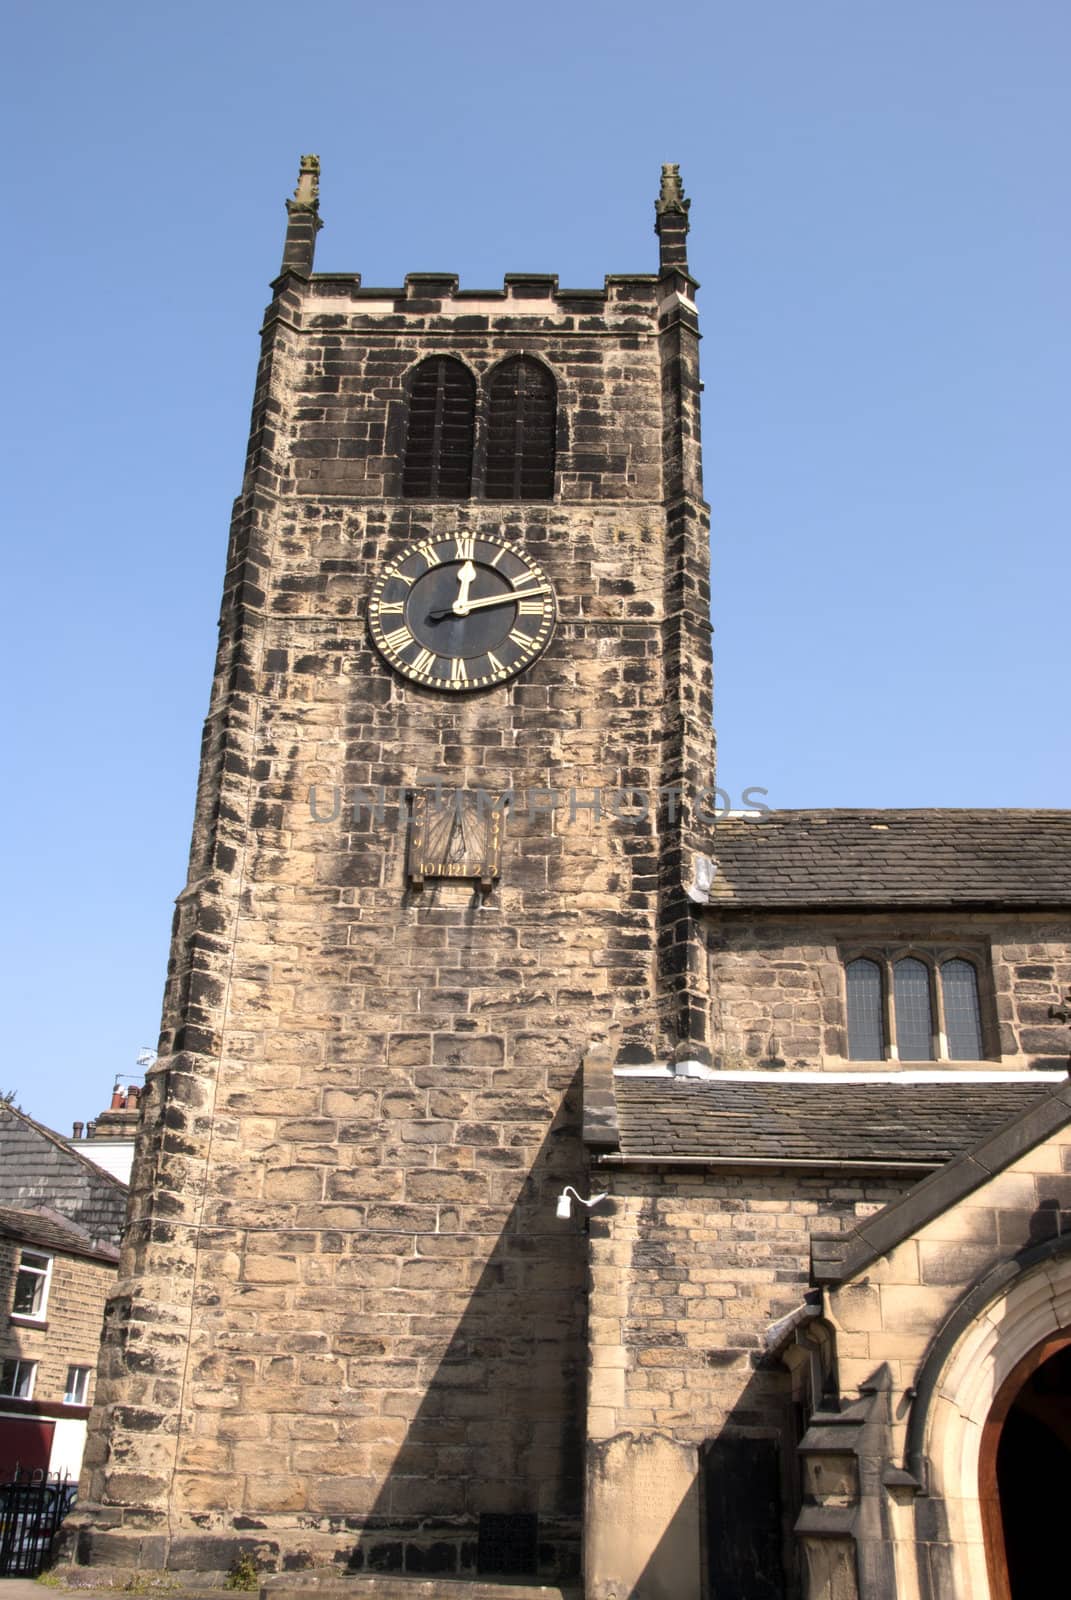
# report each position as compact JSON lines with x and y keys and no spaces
{"x":465,"y":579}
{"x":462,"y":608}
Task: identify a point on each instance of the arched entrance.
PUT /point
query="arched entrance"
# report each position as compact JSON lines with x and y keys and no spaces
{"x":1002,"y":1332}
{"x":1024,"y":1472}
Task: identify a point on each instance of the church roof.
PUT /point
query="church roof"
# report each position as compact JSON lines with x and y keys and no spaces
{"x":837,"y":1258}
{"x":774,"y":1120}
{"x":884,"y":858}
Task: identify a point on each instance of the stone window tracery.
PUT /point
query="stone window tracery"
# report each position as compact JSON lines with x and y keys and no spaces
{"x":518,"y":420}
{"x":913,"y":1005}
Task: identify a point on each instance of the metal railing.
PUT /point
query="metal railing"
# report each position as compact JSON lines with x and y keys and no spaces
{"x":32,"y":1506}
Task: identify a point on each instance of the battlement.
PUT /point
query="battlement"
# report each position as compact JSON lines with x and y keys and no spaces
{"x":531,"y":290}
{"x":339,"y":300}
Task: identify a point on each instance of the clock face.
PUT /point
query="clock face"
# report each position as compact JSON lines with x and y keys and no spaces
{"x":461,"y":613}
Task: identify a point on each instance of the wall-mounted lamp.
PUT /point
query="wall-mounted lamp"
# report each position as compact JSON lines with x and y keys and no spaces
{"x":565,"y":1205}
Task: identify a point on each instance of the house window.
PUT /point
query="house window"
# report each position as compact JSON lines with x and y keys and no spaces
{"x":17,"y":1379}
{"x":440,"y":431}
{"x":521,"y":424}
{"x":31,"y":1285}
{"x":77,"y":1386}
{"x":913,"y":1006}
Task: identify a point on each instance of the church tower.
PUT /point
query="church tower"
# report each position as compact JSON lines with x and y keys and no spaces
{"x":446,"y":849}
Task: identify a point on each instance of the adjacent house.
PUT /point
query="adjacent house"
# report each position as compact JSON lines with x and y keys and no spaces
{"x":60,"y":1219}
{"x":54,"y":1280}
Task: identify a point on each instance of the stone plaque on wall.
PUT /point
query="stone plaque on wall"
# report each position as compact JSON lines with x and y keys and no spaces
{"x":643,"y":1519}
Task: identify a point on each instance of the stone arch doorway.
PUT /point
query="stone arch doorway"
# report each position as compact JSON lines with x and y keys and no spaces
{"x":1005,"y":1329}
{"x":1024,"y":1472}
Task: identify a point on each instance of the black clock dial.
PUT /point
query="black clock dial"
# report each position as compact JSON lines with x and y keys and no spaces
{"x":461,"y":613}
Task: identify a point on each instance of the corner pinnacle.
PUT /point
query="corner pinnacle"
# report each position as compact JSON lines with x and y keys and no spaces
{"x":671,"y":194}
{"x":671,"y":221}
{"x":303,"y":219}
{"x":307,"y":193}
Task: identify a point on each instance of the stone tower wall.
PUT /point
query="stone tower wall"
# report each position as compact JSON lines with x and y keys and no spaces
{"x":348,"y":1321}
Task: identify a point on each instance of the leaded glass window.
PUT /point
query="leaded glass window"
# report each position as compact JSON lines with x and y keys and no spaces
{"x":866,"y":1031}
{"x":963,"y":1017}
{"x":914,"y":1013}
{"x":934,"y":1001}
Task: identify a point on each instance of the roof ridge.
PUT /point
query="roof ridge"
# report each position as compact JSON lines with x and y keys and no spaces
{"x":64,"y":1145}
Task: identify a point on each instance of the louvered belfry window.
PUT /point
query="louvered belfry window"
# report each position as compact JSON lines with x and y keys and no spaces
{"x":521,"y":422}
{"x":438,"y":442}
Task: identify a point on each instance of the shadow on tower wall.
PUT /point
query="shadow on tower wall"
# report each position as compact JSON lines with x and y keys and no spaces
{"x":486,"y":1468}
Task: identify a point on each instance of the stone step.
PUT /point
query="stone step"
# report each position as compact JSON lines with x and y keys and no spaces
{"x":388,"y":1586}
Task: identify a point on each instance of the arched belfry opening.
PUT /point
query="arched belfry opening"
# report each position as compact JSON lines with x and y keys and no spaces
{"x":1025,"y":1473}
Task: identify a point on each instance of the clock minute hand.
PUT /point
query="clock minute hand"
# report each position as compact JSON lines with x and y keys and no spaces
{"x":496,"y":600}
{"x":462,"y":608}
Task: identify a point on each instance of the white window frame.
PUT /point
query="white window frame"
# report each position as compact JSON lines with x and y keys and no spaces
{"x":44,"y":1278}
{"x":76,"y":1389}
{"x":24,"y":1372}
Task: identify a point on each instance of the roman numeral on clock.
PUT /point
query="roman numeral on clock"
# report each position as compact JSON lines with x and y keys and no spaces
{"x":398,"y":639}
{"x":458,"y":672}
{"x":466,"y":549}
{"x":530,"y":608}
{"x":423,"y":660}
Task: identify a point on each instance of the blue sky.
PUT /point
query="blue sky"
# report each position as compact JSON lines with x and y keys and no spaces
{"x":880,"y":229}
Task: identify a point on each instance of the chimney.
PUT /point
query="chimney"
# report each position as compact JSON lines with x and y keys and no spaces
{"x":78,"y":1129}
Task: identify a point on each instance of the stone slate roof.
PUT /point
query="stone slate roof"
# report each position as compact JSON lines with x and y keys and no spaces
{"x":835,"y":1258}
{"x":39,"y":1168}
{"x":881,"y":858}
{"x":52,"y":1232}
{"x":781,"y":1121}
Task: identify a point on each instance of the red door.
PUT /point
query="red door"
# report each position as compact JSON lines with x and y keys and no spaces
{"x":26,"y":1443}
